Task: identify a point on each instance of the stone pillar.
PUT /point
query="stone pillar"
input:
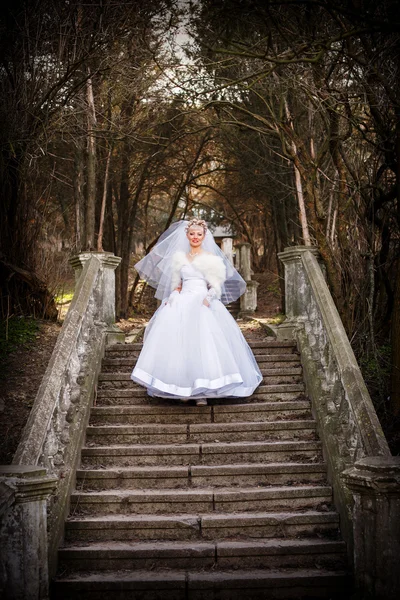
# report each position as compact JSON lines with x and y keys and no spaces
{"x":23,"y":532}
{"x":109,"y":262}
{"x":237,"y":258}
{"x":245,"y":261}
{"x":227,"y":248}
{"x":294,"y":288}
{"x":248,"y":301}
{"x":375,"y":485}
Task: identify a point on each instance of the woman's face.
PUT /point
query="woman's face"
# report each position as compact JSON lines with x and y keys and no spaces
{"x":195,"y":236}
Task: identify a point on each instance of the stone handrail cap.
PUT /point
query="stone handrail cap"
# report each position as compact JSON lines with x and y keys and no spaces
{"x":378,"y":464}
{"x":294,"y":252}
{"x":22,"y":471}
{"x":377,"y":474}
{"x":108,"y":259}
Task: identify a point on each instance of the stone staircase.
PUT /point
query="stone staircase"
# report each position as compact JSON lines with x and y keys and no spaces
{"x":234,"y":308}
{"x":227,"y":501}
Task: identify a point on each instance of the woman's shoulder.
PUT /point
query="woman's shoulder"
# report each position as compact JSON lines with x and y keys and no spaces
{"x":210,"y":257}
{"x":212,"y":262}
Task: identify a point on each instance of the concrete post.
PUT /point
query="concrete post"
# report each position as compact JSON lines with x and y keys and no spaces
{"x":109,"y":262}
{"x":294,"y":284}
{"x":245,"y":261}
{"x":248,"y":302}
{"x":236,"y":262}
{"x":227,"y":248}
{"x":23,"y":532}
{"x":375,"y":484}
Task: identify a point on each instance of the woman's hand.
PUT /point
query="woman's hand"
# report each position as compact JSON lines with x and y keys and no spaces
{"x":172,"y":297}
{"x":178,"y":289}
{"x":205,"y":302}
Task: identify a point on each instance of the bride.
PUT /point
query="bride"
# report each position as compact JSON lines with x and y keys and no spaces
{"x":193,"y":348}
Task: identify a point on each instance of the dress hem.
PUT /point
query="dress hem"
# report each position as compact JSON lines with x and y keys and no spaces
{"x":200,"y":386}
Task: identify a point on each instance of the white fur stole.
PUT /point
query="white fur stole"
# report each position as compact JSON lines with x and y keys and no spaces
{"x":210,"y":265}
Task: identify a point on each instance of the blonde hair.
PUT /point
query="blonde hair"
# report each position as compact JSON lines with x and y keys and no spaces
{"x":197,"y":223}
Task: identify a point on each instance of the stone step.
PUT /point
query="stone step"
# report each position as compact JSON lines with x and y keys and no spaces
{"x":201,"y":433}
{"x":267,"y":411}
{"x":193,"y":526}
{"x":203,"y":500}
{"x":254,"y":344}
{"x":258,"y":347}
{"x":273,"y":361}
{"x":286,"y":584}
{"x":279,"y":358}
{"x":111,"y":399}
{"x":191,"y":454}
{"x":122,"y":381}
{"x":242,"y":474}
{"x":252,"y":554}
{"x":285,"y":371}
{"x":267,"y":391}
{"x":127,"y":384}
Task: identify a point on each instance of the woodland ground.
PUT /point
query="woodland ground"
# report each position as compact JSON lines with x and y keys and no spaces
{"x":22,"y":369}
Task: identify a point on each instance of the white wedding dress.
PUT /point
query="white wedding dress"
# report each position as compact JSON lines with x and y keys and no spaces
{"x":194,"y":351}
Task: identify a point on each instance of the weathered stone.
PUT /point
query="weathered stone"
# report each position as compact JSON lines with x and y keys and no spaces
{"x":57,"y":422}
{"x":133,"y":527}
{"x":268,"y":585}
{"x":202,"y":500}
{"x":145,"y":501}
{"x":263,"y":431}
{"x":248,"y":301}
{"x":267,"y":525}
{"x":23,"y":532}
{"x":347,"y":421}
{"x":140,"y":555}
{"x":167,"y":585}
{"x":375,"y":484}
{"x":229,"y":585}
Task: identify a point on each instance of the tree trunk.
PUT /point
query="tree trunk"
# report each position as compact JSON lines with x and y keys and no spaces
{"x":90,"y":214}
{"x":123,"y":232}
{"x":79,"y":196}
{"x":395,"y":383}
{"x":103,"y":203}
{"x":302,"y":205}
{"x":298,"y":185}
{"x":395,"y":391}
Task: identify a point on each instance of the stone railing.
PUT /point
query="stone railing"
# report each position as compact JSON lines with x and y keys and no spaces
{"x":54,"y":433}
{"x":364,"y":476}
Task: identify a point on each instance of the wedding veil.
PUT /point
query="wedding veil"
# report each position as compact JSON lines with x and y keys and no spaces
{"x":156,"y":267}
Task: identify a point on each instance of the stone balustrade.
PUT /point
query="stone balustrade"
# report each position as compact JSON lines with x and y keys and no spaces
{"x":364,"y":475}
{"x":53,"y":436}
